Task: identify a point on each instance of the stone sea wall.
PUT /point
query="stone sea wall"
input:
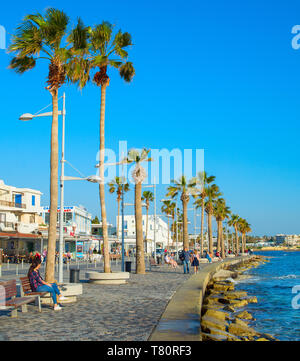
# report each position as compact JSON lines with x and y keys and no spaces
{"x":224,"y":315}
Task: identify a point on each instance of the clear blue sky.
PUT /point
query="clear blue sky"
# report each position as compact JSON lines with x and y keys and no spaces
{"x":215,"y":75}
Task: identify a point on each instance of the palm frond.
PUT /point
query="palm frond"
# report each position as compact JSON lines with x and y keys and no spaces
{"x":127,"y":71}
{"x":20,"y":65}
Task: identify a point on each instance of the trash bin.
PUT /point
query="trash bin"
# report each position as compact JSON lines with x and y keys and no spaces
{"x":128,"y":266}
{"x":74,"y":275}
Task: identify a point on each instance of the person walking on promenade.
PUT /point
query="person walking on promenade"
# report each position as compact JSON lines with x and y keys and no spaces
{"x":39,"y":285}
{"x":195,"y":261}
{"x":207,"y":255}
{"x":186,"y":260}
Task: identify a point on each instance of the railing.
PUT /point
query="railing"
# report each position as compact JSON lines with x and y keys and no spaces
{"x":12,"y":204}
{"x":8,"y":225}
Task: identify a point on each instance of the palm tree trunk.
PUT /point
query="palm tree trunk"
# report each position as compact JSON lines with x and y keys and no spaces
{"x":202,"y":224}
{"x":101,"y":185}
{"x":147,"y":211}
{"x":219,"y":237}
{"x":118,"y":223}
{"x":140,"y":260}
{"x":210,"y":238}
{"x":53,"y":191}
{"x":173,"y":227}
{"x":222,"y":241}
{"x":236,"y":241}
{"x":243,"y":244}
{"x":168,"y":247}
{"x":185,"y":225}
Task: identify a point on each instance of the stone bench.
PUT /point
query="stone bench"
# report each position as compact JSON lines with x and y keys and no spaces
{"x":101,"y":278}
{"x":69,"y":290}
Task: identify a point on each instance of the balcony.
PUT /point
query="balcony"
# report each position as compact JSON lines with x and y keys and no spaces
{"x":12,"y":204}
{"x":8,"y":226}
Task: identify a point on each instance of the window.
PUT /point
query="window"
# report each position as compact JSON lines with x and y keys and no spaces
{"x":47,"y":218}
{"x":33,"y":200}
{"x":2,"y":217}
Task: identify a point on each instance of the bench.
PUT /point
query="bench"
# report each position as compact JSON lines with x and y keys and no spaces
{"x":114,"y":256}
{"x":153,"y":263}
{"x":8,"y":298}
{"x":27,"y":291}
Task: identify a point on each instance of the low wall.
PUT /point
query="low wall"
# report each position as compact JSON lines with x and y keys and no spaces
{"x":182,"y":316}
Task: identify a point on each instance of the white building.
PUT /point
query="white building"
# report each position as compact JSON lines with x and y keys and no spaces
{"x":20,"y":209}
{"x":290,"y":239}
{"x":130,"y":235}
{"x":77,"y":220}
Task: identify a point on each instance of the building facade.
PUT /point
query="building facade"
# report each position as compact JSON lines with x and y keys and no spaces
{"x":77,"y":220}
{"x":20,"y":218}
{"x":161,"y":237}
{"x":20,"y":209}
{"x":289,"y":239}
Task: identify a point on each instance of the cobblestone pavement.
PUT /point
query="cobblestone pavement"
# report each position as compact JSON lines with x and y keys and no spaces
{"x":104,"y":312}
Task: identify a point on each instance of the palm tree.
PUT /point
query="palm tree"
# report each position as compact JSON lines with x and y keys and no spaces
{"x":139,"y":175}
{"x":212,"y":193}
{"x":177,"y":225}
{"x":169,"y":209}
{"x":118,"y":185}
{"x":233,"y":222}
{"x":221,"y":212}
{"x":244,"y":228}
{"x":147,"y":197}
{"x":41,"y":37}
{"x":98,"y":48}
{"x":186,"y":189}
{"x":204,"y":181}
{"x":247,"y":230}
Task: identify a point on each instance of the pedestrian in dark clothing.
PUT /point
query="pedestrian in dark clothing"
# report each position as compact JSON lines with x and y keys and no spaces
{"x":186,"y":260}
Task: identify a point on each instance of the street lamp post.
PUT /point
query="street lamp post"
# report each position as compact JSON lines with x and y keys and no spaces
{"x":28,"y":116}
{"x":93,"y":179}
{"x":154,"y":201}
{"x":61,"y":221}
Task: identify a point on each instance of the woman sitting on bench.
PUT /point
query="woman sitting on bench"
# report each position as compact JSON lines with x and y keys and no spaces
{"x":169,"y":260}
{"x":39,"y":285}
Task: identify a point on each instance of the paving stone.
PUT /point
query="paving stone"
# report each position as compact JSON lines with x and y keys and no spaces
{"x":103,"y":312}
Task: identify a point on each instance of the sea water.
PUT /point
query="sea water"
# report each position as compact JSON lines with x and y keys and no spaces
{"x":278,"y":309}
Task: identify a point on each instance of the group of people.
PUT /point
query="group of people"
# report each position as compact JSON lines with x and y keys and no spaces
{"x":188,"y":258}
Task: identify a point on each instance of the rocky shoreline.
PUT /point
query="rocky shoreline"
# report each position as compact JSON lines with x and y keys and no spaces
{"x":224,"y":317}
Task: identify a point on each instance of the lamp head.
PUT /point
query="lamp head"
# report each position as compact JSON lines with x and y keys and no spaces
{"x":94,"y":179}
{"x":26,"y":117}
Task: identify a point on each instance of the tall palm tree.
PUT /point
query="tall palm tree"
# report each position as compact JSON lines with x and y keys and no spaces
{"x":42,"y":37}
{"x":147,"y":197}
{"x":212,"y":193}
{"x":243,"y":228}
{"x":118,"y":185}
{"x":185,"y":188}
{"x":233,"y":222}
{"x":177,"y":225}
{"x":221,"y":212}
{"x":99,"y":48}
{"x":139,"y":175}
{"x":247,"y":230}
{"x":169,"y":209}
{"x":203,"y":180}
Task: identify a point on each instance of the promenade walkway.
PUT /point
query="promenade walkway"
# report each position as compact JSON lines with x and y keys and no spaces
{"x":125,"y":312}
